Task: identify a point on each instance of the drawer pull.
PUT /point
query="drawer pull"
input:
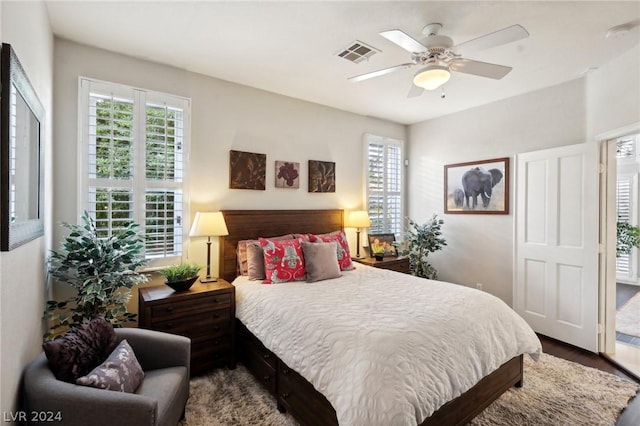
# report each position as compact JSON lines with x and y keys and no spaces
{"x":168,"y":326}
{"x":216,"y":342}
{"x":216,"y":328}
{"x":266,"y":356}
{"x":285,"y":395}
{"x":266,"y":378}
{"x":170,"y":308}
{"x":215,"y":300}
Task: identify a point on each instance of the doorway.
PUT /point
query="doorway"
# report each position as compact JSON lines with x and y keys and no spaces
{"x":627,"y":283}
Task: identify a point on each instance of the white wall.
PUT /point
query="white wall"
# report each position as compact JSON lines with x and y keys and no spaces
{"x":22,"y":270}
{"x":480,"y":247}
{"x":225,"y":116}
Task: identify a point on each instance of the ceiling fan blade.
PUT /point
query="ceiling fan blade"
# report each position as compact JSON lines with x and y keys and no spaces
{"x":482,"y":69}
{"x":404,"y":40}
{"x":415,"y":91}
{"x":380,"y":72}
{"x":497,"y":38}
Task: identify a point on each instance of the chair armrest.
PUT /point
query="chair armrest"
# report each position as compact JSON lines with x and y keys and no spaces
{"x":155,"y":349}
{"x":82,"y":405}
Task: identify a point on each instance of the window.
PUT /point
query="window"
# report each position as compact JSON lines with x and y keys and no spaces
{"x":385,"y":184}
{"x":133,"y":144}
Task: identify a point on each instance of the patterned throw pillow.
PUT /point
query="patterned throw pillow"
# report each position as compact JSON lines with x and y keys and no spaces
{"x":120,"y":372}
{"x":241,"y":252}
{"x":283,"y":261}
{"x":344,"y":257}
{"x":81,"y":349}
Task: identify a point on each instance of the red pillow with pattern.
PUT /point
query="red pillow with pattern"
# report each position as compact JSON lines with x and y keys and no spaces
{"x":283,"y":261}
{"x":344,"y":257}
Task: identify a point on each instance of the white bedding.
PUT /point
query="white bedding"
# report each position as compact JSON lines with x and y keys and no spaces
{"x":384,"y":348}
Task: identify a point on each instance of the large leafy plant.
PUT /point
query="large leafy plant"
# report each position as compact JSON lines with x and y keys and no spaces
{"x":423,"y":239}
{"x":628,"y":238}
{"x":102,"y":271}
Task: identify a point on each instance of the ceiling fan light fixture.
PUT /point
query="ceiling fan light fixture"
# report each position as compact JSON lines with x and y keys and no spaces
{"x":432,"y":76}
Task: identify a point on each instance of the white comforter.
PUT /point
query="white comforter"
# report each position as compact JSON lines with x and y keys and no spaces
{"x":384,"y":348}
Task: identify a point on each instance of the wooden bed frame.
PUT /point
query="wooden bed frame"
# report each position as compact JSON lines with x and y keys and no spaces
{"x":294,"y":393}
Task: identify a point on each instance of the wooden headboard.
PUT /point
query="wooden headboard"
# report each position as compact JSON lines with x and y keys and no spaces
{"x":251,"y":224}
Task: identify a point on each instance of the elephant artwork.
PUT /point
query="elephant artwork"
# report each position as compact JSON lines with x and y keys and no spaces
{"x":479,"y":181}
{"x":480,"y":187}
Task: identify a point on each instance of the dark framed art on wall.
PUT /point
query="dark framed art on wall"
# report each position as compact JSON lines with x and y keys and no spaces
{"x":477,"y":187}
{"x":247,"y":170}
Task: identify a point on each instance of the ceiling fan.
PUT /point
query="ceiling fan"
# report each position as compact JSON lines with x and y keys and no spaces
{"x":438,"y":57}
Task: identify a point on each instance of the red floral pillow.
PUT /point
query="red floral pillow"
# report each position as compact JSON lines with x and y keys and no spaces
{"x":283,"y":261}
{"x":344,"y":257}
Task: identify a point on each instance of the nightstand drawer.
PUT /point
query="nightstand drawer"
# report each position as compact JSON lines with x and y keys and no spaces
{"x":179,"y":308}
{"x":201,"y":322}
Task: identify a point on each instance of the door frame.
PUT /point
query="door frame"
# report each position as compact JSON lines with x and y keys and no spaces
{"x":608,"y":231}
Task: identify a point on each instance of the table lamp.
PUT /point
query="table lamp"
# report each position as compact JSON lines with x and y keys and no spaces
{"x":358,"y":219}
{"x":208,"y":224}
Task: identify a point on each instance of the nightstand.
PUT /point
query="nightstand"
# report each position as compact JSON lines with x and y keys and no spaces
{"x":398,"y":264}
{"x":205,"y":313}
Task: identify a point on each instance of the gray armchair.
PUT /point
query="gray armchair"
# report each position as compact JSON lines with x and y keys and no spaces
{"x":160,"y":399}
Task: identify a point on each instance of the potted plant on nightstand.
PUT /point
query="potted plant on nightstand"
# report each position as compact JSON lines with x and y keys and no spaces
{"x":181,"y":277}
{"x":102,"y":270}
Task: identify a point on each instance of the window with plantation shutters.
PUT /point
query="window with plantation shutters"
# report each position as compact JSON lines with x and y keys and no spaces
{"x":623,"y":209}
{"x":133,"y":148}
{"x":384,"y":184}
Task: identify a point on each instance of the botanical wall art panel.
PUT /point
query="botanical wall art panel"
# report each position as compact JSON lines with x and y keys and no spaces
{"x":247,"y":170}
{"x":322,"y":176}
{"x":287,"y":174}
{"x":480,"y":187}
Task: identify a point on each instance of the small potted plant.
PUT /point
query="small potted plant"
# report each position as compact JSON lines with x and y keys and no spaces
{"x":182,"y":276}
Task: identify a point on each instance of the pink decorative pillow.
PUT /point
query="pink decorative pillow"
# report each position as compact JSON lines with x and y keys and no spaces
{"x":241,"y":252}
{"x":344,"y":257}
{"x":283,"y":260}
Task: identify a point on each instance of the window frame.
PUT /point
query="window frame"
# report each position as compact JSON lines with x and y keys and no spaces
{"x":386,"y":141}
{"x":139,"y":184}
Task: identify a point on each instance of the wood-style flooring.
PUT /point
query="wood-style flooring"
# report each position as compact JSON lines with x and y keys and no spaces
{"x":631,"y":415}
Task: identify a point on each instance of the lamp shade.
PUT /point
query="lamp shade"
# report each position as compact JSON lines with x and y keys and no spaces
{"x":358,"y":219}
{"x":208,"y":224}
{"x":432,"y":77}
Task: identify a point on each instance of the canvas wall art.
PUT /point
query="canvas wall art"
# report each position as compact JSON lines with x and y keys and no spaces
{"x":247,"y":170}
{"x":322,"y":176}
{"x":287,"y":174}
{"x":477,"y":187}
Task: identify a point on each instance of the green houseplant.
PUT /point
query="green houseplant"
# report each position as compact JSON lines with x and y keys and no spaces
{"x":628,"y":238}
{"x":422,"y":240}
{"x":182,"y":276}
{"x":101,"y":270}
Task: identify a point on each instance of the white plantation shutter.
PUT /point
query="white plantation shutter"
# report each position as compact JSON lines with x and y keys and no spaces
{"x":133,"y":147}
{"x":384,"y":184}
{"x":624,"y":185}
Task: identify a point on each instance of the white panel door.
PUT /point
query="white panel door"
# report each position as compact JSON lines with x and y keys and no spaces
{"x":556,"y":249}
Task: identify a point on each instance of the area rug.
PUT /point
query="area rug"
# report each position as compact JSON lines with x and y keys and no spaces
{"x":556,"y":392}
{"x":628,"y":317}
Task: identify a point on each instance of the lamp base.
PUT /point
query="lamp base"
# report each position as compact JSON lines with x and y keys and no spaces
{"x":208,"y":280}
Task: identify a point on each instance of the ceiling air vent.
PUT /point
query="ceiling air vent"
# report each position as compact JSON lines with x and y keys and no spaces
{"x":358,"y":52}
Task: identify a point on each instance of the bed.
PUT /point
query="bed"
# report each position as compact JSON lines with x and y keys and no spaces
{"x":276,"y":355}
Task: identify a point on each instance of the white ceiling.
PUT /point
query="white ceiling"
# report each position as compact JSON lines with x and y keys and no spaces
{"x":290,"y":47}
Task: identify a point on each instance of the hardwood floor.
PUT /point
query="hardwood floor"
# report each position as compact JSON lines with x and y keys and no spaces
{"x":631,"y":415}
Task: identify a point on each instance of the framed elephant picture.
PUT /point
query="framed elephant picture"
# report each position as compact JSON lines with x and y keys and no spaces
{"x":477,"y":187}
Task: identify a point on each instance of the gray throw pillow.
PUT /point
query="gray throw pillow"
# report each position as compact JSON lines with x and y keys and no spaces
{"x":255,"y":261}
{"x":321,"y":261}
{"x":120,"y":372}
